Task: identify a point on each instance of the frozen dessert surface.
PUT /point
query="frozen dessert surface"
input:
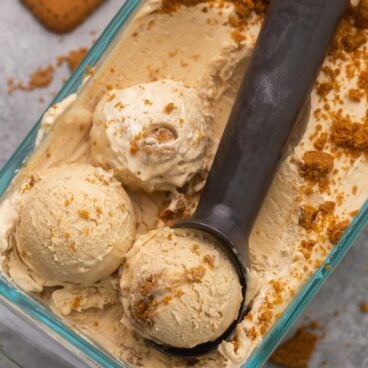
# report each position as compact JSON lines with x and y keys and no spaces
{"x":152,"y":135}
{"x":319,"y":187}
{"x":77,"y":298}
{"x":75,"y":225}
{"x":52,"y":114}
{"x":178,"y":288}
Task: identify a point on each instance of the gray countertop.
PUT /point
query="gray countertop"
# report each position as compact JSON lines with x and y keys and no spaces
{"x":26,"y":46}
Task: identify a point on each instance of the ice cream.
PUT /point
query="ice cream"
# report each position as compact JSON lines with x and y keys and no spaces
{"x":319,"y":186}
{"x":52,"y":114}
{"x":179,"y":288}
{"x":78,"y":298}
{"x":75,"y":225}
{"x":153,"y":135}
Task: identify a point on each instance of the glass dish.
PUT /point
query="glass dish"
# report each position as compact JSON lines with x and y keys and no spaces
{"x":29,"y":309}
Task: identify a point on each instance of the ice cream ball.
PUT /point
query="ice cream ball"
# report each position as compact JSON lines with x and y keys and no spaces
{"x":179,"y":288}
{"x":153,"y":135}
{"x":75,"y":225}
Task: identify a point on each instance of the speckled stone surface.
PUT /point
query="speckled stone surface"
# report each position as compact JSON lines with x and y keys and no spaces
{"x":25,"y":45}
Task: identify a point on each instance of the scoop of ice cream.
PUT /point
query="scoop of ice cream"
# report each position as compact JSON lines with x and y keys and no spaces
{"x":178,"y":288}
{"x":75,"y":225}
{"x":152,"y":135}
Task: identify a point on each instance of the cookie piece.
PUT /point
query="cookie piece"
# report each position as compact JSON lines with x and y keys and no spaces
{"x":73,"y":59}
{"x":61,"y":16}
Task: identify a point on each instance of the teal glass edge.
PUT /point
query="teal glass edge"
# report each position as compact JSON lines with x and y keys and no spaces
{"x":29,"y":308}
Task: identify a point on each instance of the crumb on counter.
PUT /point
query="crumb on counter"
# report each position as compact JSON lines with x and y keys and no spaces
{"x":73,"y":58}
{"x":364,"y":307}
{"x":297,"y":351}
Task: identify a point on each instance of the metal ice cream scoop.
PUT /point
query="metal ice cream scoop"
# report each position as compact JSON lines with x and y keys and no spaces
{"x":287,"y":57}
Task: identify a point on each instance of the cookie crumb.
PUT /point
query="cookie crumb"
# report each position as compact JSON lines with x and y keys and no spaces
{"x":327,"y":207}
{"x":352,"y":42}
{"x":73,"y":58}
{"x":335,"y":232}
{"x":316,"y":164}
{"x":40,"y":78}
{"x":362,"y":14}
{"x":320,"y":141}
{"x":364,"y":307}
{"x":210,"y":260}
{"x":307,"y":216}
{"x":306,"y":247}
{"x":195,"y":274}
{"x":323,"y":89}
{"x":355,"y":95}
{"x":346,"y":134}
{"x":168,"y":109}
{"x":297,"y":351}
{"x":83,"y":214}
{"x":238,"y":37}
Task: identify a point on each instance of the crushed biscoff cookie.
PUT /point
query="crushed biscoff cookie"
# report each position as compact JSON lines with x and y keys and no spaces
{"x":307,"y":216}
{"x":336,"y":231}
{"x":298,"y":350}
{"x":40,"y":78}
{"x":327,"y":207}
{"x":73,"y":59}
{"x":349,"y":135}
{"x":178,"y":208}
{"x":43,"y":76}
{"x":362,"y":14}
{"x":316,"y":164}
{"x":364,"y":307}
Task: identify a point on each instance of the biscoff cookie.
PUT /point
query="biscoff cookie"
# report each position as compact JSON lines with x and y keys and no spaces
{"x":61,"y":16}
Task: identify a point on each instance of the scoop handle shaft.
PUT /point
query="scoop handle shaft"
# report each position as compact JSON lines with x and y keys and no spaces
{"x":287,"y":57}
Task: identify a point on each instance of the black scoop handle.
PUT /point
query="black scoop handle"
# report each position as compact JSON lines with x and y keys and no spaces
{"x":287,"y":57}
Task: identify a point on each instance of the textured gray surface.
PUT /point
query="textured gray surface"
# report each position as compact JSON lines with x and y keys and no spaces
{"x":25,"y":46}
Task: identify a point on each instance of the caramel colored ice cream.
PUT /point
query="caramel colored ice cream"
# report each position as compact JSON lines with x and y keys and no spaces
{"x":179,"y":288}
{"x":319,"y":187}
{"x":75,"y":225}
{"x":153,"y":135}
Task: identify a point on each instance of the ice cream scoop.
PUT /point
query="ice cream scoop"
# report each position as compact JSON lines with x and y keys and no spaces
{"x":152,"y":135}
{"x":287,"y":57}
{"x":75,"y":225}
{"x":179,"y":287}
